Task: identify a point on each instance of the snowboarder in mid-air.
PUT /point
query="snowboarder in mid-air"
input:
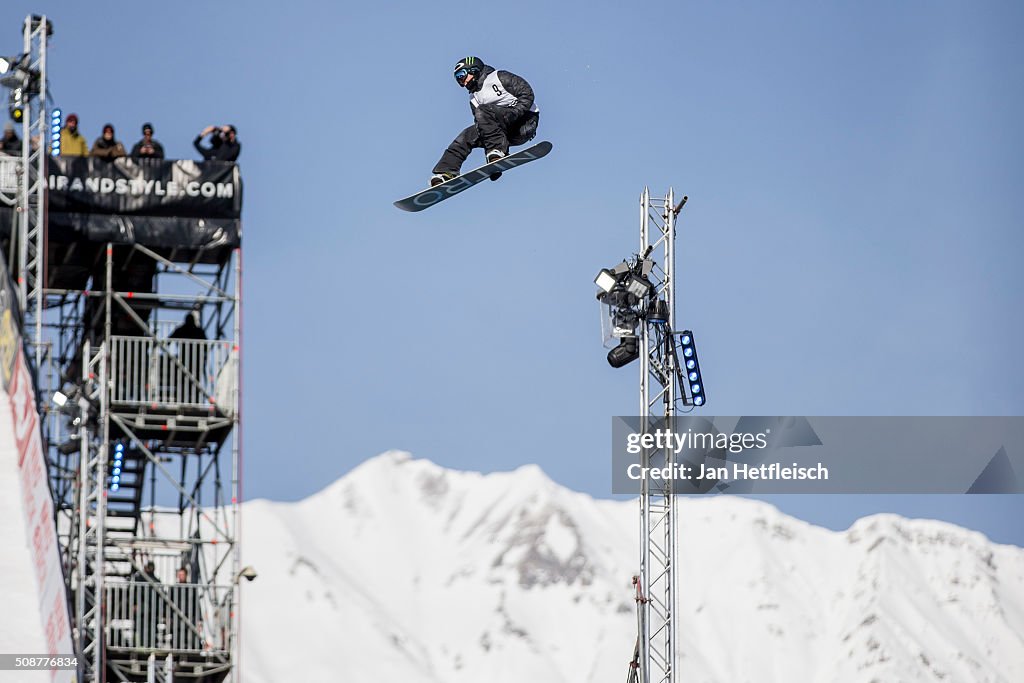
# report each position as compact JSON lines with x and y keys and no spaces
{"x":504,"y":114}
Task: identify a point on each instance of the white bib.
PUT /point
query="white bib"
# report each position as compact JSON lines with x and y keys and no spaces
{"x":493,"y":92}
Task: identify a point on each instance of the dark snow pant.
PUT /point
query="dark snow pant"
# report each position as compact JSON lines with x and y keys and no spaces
{"x":495,"y":128}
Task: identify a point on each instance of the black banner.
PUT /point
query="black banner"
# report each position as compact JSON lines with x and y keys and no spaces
{"x":145,"y":187}
{"x":156,"y":232}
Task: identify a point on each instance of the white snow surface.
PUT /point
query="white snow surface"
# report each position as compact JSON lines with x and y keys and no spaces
{"x":405,"y":571}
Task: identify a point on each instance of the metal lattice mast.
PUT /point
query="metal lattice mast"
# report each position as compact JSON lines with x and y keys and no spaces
{"x":32,"y":203}
{"x":657,"y":637}
{"x":87,"y":544}
{"x":236,"y":473}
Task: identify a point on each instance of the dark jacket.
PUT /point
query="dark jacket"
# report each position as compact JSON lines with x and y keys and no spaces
{"x":188,"y":329}
{"x":153,"y":151}
{"x":192,"y":356}
{"x":10,"y":145}
{"x":220,"y":149}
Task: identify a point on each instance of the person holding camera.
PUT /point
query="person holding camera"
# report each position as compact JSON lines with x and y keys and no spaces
{"x":224,"y":145}
{"x":147,"y":147}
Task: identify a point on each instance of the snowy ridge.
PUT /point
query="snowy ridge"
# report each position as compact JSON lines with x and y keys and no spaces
{"x":406,"y":571}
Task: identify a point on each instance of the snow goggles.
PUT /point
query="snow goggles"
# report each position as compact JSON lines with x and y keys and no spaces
{"x":460,"y":76}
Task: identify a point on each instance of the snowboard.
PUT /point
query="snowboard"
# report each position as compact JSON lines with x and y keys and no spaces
{"x":432,"y":195}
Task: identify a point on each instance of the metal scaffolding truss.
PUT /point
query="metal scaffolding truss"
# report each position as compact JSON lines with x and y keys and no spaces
{"x":157,"y":414}
{"x":29,"y":241}
{"x":140,"y":417}
{"x":656,"y":643}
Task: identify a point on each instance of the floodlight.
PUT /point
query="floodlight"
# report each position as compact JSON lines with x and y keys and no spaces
{"x":606,"y":280}
{"x":72,"y":403}
{"x":638,"y":287}
{"x":13,"y":72}
{"x":625,"y":291}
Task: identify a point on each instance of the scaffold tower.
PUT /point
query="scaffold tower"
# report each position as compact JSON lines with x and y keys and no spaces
{"x":145,"y":462}
{"x":130,"y":315}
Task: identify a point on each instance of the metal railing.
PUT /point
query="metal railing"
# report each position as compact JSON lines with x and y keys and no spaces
{"x":180,"y":617}
{"x":10,"y":178}
{"x":170,"y":372}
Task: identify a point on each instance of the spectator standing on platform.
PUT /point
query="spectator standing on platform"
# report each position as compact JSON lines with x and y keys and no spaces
{"x":72,"y":143}
{"x":192,"y":355}
{"x":224,"y":145}
{"x":147,"y":147}
{"x":189,"y":327}
{"x":145,"y":600}
{"x":184,"y":597}
{"x":11,"y":143}
{"x":107,"y":146}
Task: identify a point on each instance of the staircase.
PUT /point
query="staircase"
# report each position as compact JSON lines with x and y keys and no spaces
{"x":127,"y":468}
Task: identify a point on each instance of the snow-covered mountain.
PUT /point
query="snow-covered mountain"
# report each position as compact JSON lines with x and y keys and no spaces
{"x":405,"y":571}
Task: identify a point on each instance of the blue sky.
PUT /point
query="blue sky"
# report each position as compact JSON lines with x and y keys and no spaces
{"x":852,"y":228}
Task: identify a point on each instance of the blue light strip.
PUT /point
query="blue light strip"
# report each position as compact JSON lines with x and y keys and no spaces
{"x":115,"y":479}
{"x":55,"y":126}
{"x":696,"y":383}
